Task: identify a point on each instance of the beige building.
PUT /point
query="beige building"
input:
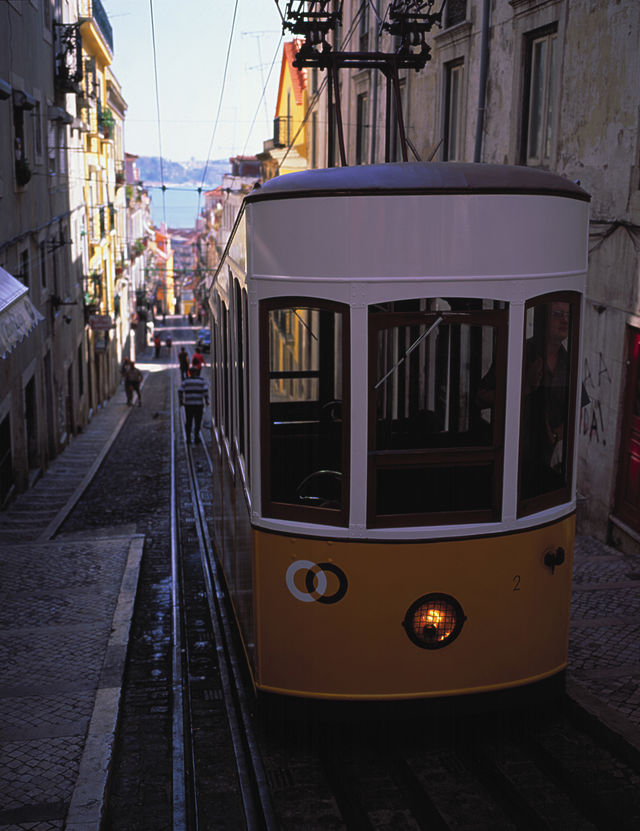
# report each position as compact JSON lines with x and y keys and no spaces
{"x":43,"y":379}
{"x":61,"y":114}
{"x":102,"y":109}
{"x":546,"y":83}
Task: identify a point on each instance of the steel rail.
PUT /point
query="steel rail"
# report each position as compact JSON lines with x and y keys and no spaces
{"x":256,"y":799}
{"x":177,"y":677}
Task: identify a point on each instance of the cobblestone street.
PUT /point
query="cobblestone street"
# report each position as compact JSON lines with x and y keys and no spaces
{"x":66,"y":619}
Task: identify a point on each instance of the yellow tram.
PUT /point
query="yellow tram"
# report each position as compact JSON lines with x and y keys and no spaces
{"x":395,"y":361}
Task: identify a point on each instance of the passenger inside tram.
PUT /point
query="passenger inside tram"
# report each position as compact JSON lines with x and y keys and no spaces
{"x":545,"y":399}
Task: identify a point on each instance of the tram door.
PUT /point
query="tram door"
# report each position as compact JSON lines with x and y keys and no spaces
{"x":628,"y":491}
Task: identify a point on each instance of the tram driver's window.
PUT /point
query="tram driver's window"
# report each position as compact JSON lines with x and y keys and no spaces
{"x":548,"y":390}
{"x":304,"y":425}
{"x":438,"y":392}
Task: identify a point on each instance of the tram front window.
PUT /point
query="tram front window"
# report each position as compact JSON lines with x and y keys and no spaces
{"x":548,"y":391}
{"x":436,"y":438}
{"x":303,"y":424}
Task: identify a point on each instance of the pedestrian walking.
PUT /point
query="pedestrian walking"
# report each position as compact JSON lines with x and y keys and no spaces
{"x":125,"y":368}
{"x":168,"y":341}
{"x":183,"y":360}
{"x":132,"y":381}
{"x":193,"y":394}
{"x":197,"y":359}
{"x":157,"y":344}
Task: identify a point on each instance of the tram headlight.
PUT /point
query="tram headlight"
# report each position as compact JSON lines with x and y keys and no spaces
{"x":434,"y":620}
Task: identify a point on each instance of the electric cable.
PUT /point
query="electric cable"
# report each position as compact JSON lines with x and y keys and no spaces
{"x":320,"y":90}
{"x":264,"y":90}
{"x":155,"y":69}
{"x":215,"y":124}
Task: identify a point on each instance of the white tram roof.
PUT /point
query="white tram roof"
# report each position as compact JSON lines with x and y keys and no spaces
{"x":431,"y":221}
{"x":418,"y":178}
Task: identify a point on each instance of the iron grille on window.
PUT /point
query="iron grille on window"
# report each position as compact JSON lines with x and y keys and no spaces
{"x":455,"y":12}
{"x":100,"y":16}
{"x":281,"y":131}
{"x":68,"y":57}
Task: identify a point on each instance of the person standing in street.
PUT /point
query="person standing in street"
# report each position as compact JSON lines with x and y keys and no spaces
{"x":197,"y":359}
{"x":125,"y":368}
{"x":183,"y":359}
{"x":193,"y":394}
{"x":132,"y":381}
{"x":157,"y":343}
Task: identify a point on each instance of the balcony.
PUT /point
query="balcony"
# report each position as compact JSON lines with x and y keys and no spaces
{"x":94,"y":11}
{"x":281,"y":130}
{"x":100,"y":16}
{"x":106,"y":122}
{"x":68,"y":58}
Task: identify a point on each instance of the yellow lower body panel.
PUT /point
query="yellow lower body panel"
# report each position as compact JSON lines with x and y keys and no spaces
{"x":329,"y":614}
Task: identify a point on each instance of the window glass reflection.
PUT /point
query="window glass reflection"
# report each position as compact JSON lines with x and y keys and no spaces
{"x":546,"y":396}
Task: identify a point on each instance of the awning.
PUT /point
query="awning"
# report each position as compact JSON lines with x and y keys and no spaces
{"x":18,"y":315}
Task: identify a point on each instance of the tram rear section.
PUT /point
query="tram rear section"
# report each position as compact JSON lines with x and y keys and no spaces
{"x":395,"y":355}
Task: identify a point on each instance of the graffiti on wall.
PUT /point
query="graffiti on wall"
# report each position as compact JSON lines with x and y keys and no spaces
{"x":597,"y":384}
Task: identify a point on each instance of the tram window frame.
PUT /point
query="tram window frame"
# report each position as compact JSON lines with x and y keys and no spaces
{"x":239,"y":367}
{"x":553,"y":497}
{"x":338,"y":516}
{"x":226,"y":381}
{"x":244,"y":301}
{"x":449,"y":459}
{"x":215,"y":361}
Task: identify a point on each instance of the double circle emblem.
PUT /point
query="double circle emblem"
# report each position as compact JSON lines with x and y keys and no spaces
{"x":316,"y":583}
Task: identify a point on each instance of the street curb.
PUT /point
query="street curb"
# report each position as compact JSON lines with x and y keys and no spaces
{"x":614,"y":728}
{"x":64,"y":512}
{"x":89,"y":795}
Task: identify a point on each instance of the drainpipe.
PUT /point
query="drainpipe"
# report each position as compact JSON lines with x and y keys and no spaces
{"x":484,"y":69}
{"x":374,"y":91}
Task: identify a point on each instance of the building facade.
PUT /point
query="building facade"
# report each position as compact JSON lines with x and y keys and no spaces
{"x":61,"y":118}
{"x":287,"y":151}
{"x":102,"y":110}
{"x":547,"y":83}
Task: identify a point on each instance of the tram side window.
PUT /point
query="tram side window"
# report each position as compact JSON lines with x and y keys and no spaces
{"x":215,"y":372}
{"x":548,"y":392}
{"x":438,"y":391}
{"x":303,"y":425}
{"x":226,"y":398}
{"x":240,"y":367}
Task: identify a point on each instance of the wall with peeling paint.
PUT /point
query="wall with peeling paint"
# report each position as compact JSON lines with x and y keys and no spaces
{"x":594,"y":140}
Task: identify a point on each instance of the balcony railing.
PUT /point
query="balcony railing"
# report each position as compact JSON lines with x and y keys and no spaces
{"x":94,"y":9}
{"x":455,"y":12}
{"x":100,"y":16}
{"x":281,"y":130}
{"x":68,"y":57}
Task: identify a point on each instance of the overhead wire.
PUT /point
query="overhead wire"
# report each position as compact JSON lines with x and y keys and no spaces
{"x":155,"y":69}
{"x":279,"y":11}
{"x":345,"y":41}
{"x":215,"y":124}
{"x":264,"y":90}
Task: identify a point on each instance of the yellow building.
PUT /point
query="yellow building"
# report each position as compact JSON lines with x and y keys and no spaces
{"x":161,"y":268}
{"x":289,"y":145}
{"x":102,"y":111}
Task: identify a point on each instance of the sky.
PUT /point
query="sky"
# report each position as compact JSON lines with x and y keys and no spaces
{"x":192,"y":39}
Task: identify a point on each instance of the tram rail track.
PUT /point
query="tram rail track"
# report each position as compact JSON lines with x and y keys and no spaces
{"x":524,"y":771}
{"x":379,"y":777}
{"x":236,"y":691}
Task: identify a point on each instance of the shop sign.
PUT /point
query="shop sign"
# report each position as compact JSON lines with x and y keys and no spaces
{"x":101,"y":323}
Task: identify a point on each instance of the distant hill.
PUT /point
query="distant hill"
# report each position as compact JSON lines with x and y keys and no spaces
{"x":181,"y":173}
